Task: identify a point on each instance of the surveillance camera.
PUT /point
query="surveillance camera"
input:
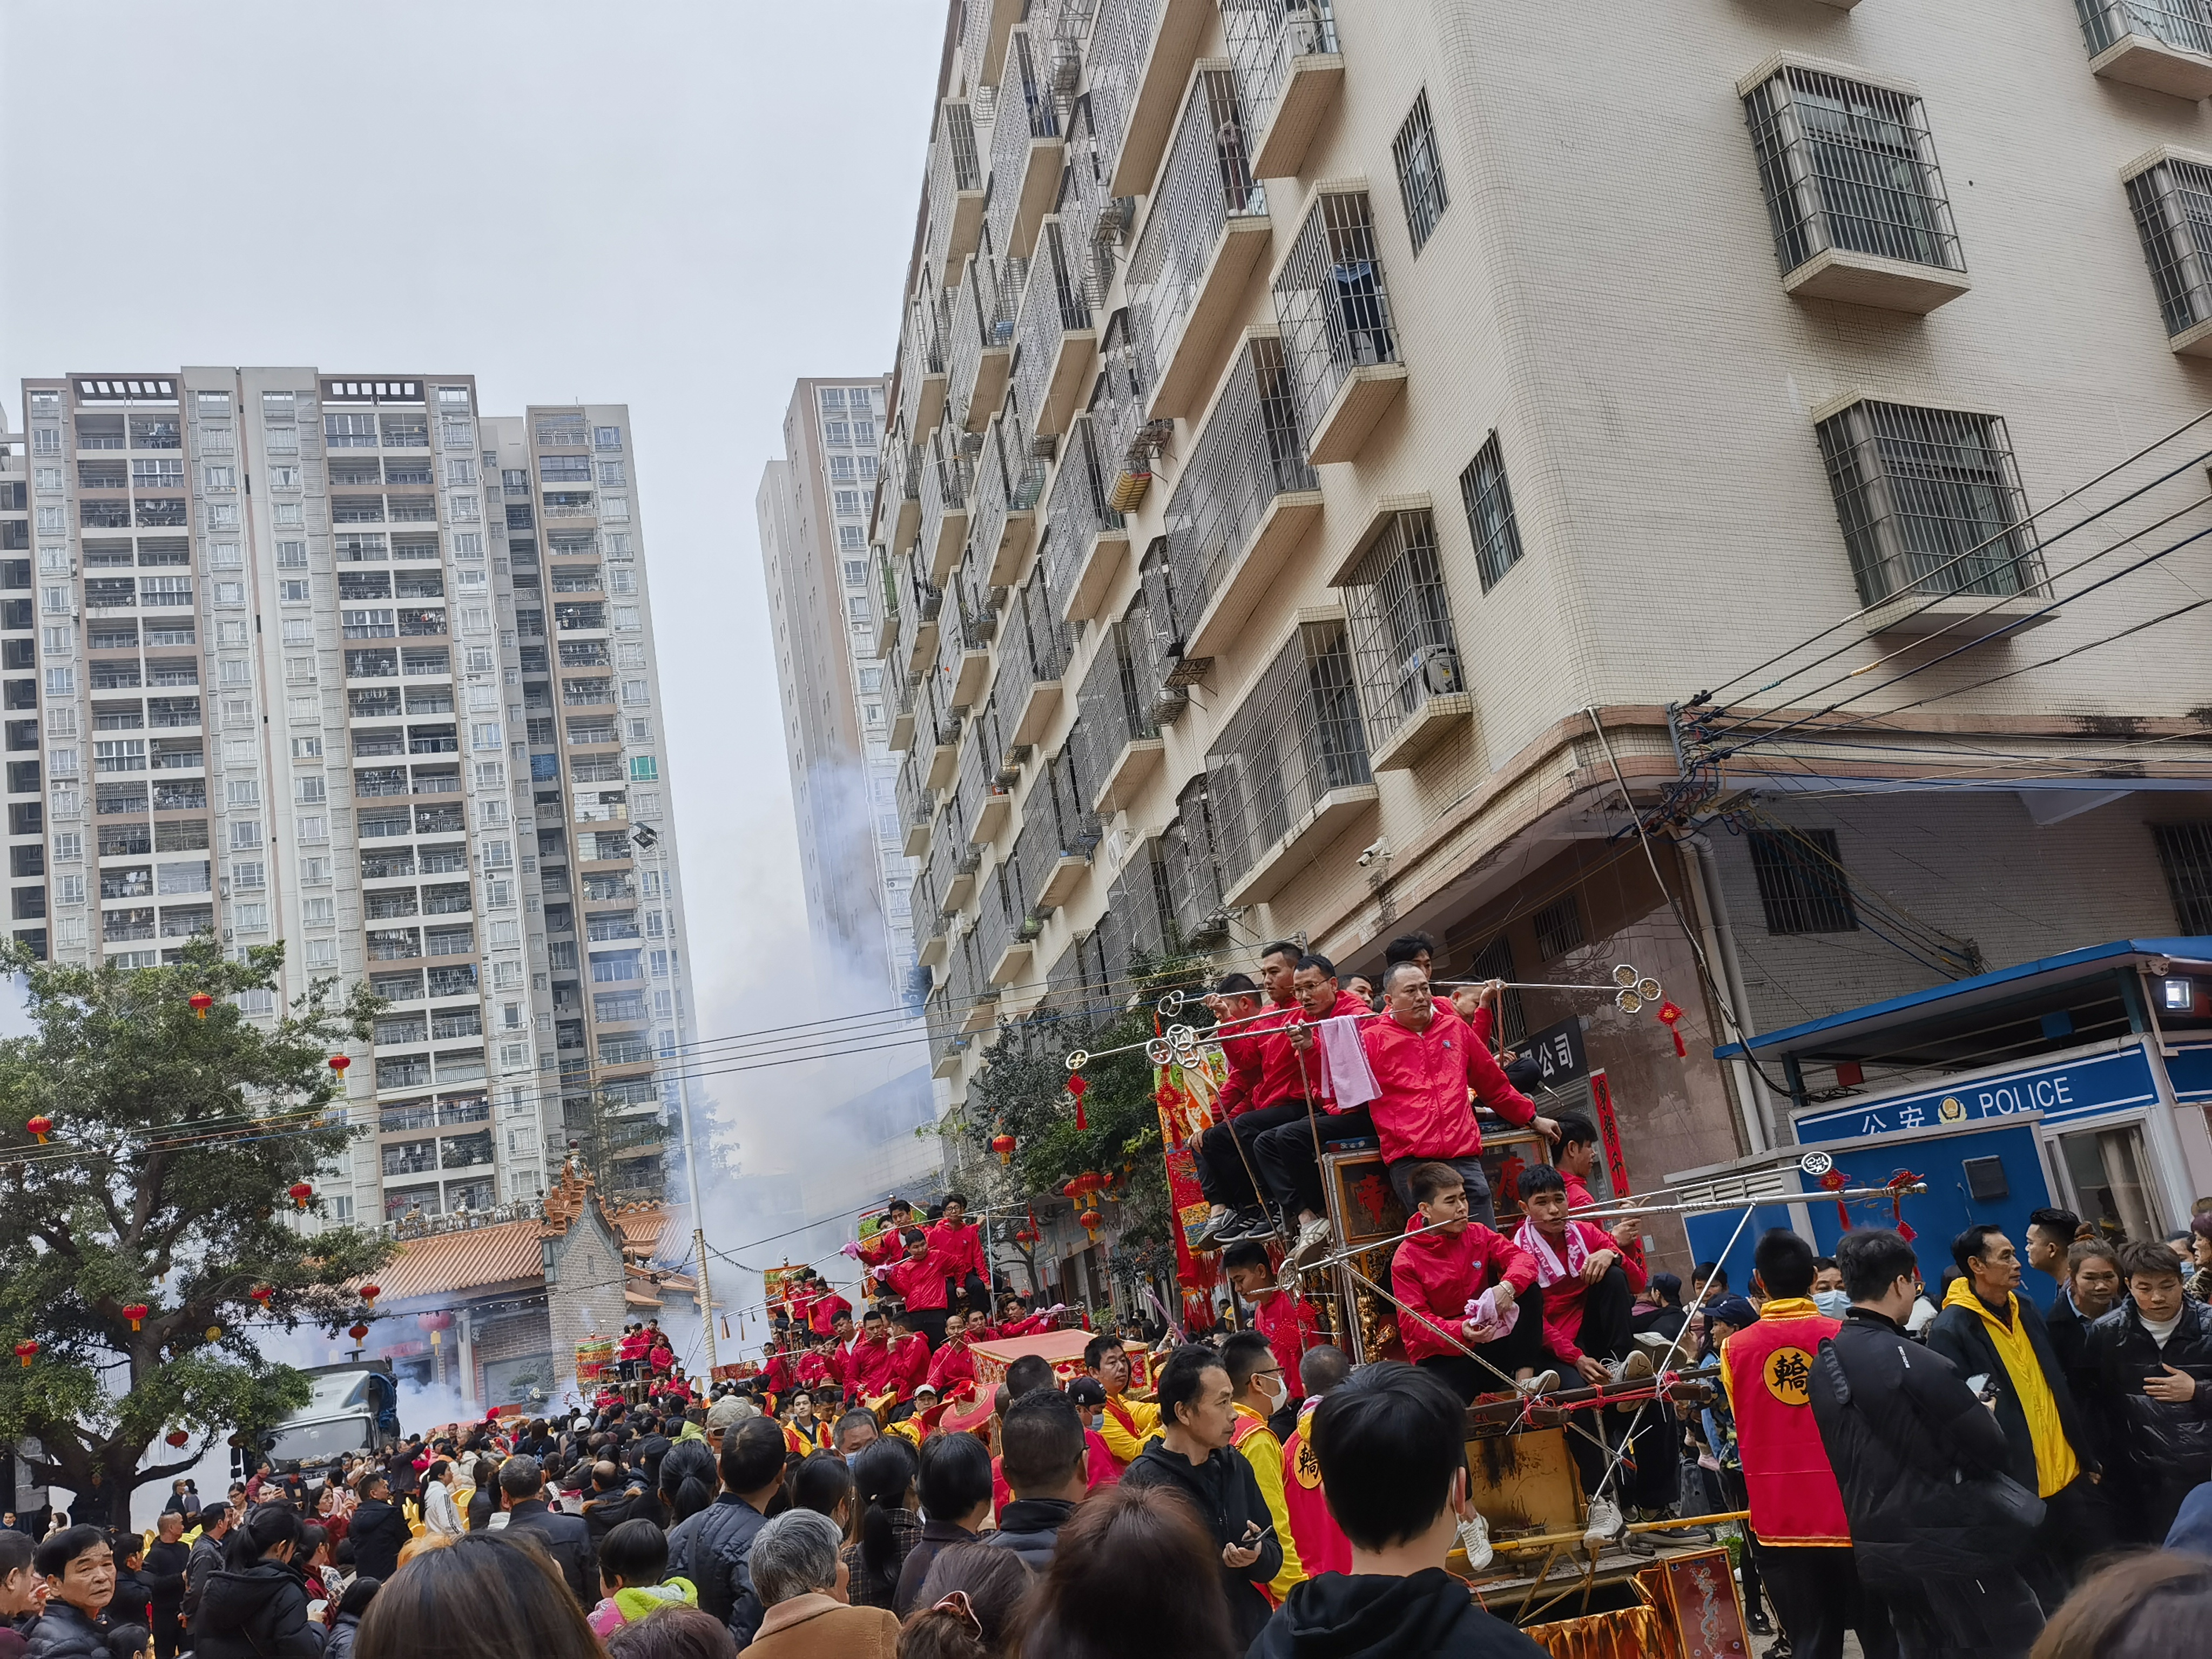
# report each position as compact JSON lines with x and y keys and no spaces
{"x":1375,"y":849}
{"x":2159,"y":967}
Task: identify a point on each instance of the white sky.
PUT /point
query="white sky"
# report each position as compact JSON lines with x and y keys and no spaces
{"x":681,"y":206}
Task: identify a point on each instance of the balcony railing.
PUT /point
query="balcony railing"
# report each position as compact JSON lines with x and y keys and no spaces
{"x":946,"y":481}
{"x":1203,"y":232}
{"x":1245,"y":499}
{"x":1114,"y":712}
{"x":1034,"y":646}
{"x":1339,"y":340}
{"x":1085,"y":537}
{"x":921,"y":376}
{"x":956,"y":188}
{"x":1059,"y":344}
{"x":1025,"y":151}
{"x":1291,"y":760}
{"x":984,"y":337}
{"x":1192,"y":865}
{"x":1274,"y":45}
{"x":920,"y":601}
{"x":1403,"y":644}
{"x":2172,"y":203}
{"x":2164,"y":45}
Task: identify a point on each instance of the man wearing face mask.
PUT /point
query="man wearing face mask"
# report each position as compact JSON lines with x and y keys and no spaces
{"x":1259,"y":1390}
{"x":1828,"y":1293}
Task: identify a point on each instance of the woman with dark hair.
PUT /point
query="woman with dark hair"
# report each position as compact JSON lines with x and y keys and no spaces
{"x":974,"y":1606}
{"x":688,"y":1477}
{"x":1121,"y":1583}
{"x":887,"y":1527}
{"x":255,"y":1607}
{"x":955,"y":1482}
{"x":679,"y":1633}
{"x":2149,"y":1606}
{"x":822,"y":1482}
{"x":353,"y":1603}
{"x":489,"y":1595}
{"x":2196,"y":1271}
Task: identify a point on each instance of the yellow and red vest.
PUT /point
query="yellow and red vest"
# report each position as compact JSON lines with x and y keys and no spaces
{"x":1768,"y":1372}
{"x":1322,"y":1546}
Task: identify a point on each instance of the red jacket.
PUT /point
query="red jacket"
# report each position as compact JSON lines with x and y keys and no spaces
{"x":1289,"y":1324}
{"x":1578,"y":1192}
{"x":1245,"y":1048}
{"x":1322,"y":1546}
{"x":1286,"y":1072}
{"x":633,"y":1346}
{"x":779,"y":1373}
{"x":1436,"y":1273}
{"x":663,"y":1359}
{"x":909,"y":1364}
{"x":962,"y":1247}
{"x":813,"y":1371}
{"x":921,"y":1282}
{"x":949,"y":1365}
{"x":822,"y":1315}
{"x":871,"y":1367}
{"x":1563,"y":1299}
{"x":1034,"y":1325}
{"x":1766,"y":1370}
{"x":885,"y":1247}
{"x":1424,"y":1077}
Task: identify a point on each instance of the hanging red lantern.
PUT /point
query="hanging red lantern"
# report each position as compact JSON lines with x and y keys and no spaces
{"x":41,"y":1126}
{"x":1092,"y":1221}
{"x":177,"y":1437}
{"x":24,"y":1350}
{"x":261,"y":1293}
{"x":1026,"y":1235}
{"x":358,"y":1332}
{"x":338,"y":1064}
{"x":135,"y":1313}
{"x":370,"y":1293}
{"x":1670,"y":1015}
{"x":301,"y":1192}
{"x":1004,"y":1146}
{"x":437,"y":1322}
{"x":200,"y":1002}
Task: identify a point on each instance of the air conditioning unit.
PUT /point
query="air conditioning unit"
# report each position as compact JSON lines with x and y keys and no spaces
{"x":1434,"y":669}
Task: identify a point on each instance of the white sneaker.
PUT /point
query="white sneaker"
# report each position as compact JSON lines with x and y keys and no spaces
{"x":1604,"y":1522}
{"x":1313,"y":1241}
{"x":1474,"y":1539}
{"x":1635,"y":1366}
{"x":1542,"y":1382}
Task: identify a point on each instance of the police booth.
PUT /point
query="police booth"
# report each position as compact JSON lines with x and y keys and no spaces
{"x":2080,"y":1080}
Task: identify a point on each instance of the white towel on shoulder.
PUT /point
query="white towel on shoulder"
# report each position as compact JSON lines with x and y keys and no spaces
{"x":1351,"y":1079}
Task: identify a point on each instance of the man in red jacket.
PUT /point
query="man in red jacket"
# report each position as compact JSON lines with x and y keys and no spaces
{"x":868,"y":1374}
{"x":961,"y":1243}
{"x":920,"y":1279}
{"x":952,"y":1365}
{"x":889,"y":1243}
{"x":825,"y":1307}
{"x":1445,"y":1263}
{"x":910,"y":1361}
{"x":1255,"y":1098}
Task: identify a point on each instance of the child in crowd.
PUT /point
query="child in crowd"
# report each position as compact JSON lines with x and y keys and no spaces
{"x":1446,"y":1265}
{"x":1285,"y":1319}
{"x":633,"y":1559}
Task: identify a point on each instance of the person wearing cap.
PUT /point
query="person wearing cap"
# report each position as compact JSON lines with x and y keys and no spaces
{"x":726,"y":1412}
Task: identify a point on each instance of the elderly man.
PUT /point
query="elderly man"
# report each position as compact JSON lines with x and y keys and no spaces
{"x":801,"y":1581}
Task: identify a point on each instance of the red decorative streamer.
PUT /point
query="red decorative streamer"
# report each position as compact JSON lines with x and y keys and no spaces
{"x":1835,"y":1180}
{"x":1075,"y":1085}
{"x":1670,"y":1015}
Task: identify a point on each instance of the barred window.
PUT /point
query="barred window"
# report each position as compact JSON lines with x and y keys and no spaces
{"x":1495,"y":961}
{"x":1845,"y":165}
{"x":1297,"y":737}
{"x":2172,"y":204}
{"x":1401,"y":623}
{"x":1930,"y":502}
{"x":1801,"y":883}
{"x":2183,"y":23}
{"x":1331,"y":301}
{"x":1489,"y":501}
{"x":1558,"y":927}
{"x":2185,"y":853}
{"x":1421,"y":171}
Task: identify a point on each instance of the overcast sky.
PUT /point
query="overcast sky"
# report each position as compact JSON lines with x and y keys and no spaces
{"x":681,"y":206}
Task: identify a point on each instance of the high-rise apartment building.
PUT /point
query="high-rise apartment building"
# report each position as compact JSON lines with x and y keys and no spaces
{"x":1326,"y":441}
{"x":828,"y":608}
{"x":348,"y":663}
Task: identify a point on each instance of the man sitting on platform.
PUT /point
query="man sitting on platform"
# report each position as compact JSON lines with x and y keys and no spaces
{"x":1444,"y":1264}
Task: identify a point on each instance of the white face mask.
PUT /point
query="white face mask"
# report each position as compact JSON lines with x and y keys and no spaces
{"x":1277,"y":1392}
{"x":1834,"y":1304}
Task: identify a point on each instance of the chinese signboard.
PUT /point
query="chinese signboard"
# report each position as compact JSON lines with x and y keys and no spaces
{"x":2065,"y":1089}
{"x":1557,"y":1051}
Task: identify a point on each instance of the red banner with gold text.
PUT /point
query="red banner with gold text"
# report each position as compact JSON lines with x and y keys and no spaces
{"x":1185,"y":1095}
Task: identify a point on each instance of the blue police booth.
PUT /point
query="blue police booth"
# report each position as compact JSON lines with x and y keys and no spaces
{"x":2079,"y":1080}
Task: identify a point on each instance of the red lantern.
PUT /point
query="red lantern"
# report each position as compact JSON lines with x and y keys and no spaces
{"x":135,"y":1313}
{"x":261,"y":1293}
{"x":200,"y":1002}
{"x":1026,"y":1236}
{"x":370,"y":1293}
{"x":301,"y":1192}
{"x":176,"y":1436}
{"x":338,"y":1064}
{"x":41,"y":1126}
{"x":1092,"y":1221}
{"x":437,"y":1322}
{"x":358,"y":1332}
{"x":24,"y":1350}
{"x":1004,"y":1146}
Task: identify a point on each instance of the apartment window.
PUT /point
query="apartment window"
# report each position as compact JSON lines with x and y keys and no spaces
{"x":46,"y":441}
{"x":2172,"y":204}
{"x":2185,"y":853}
{"x":1801,"y":883}
{"x":291,"y":556}
{"x":615,"y":473}
{"x":1930,"y":502}
{"x":1558,"y":927}
{"x":2185,"y":24}
{"x":614,"y":508}
{"x":221,"y":477}
{"x":1489,"y":519}
{"x":607,"y":437}
{"x":224,"y":556}
{"x":1421,"y":171}
{"x":1849,"y":166}
{"x":1401,"y":623}
{"x":278,"y":405}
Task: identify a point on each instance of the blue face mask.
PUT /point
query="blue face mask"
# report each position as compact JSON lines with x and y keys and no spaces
{"x":1832,"y":1303}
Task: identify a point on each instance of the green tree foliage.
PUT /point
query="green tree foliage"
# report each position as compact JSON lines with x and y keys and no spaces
{"x":175,"y":1142}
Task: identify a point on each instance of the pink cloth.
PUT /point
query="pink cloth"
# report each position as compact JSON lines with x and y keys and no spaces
{"x":1489,"y":1323}
{"x":1548,"y":1269}
{"x":1351,"y":1079}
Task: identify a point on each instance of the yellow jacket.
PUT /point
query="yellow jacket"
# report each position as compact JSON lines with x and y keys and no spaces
{"x":1264,"y":1452}
{"x":1127,"y":1425}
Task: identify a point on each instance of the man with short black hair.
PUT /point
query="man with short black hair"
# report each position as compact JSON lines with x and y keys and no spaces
{"x":2051,"y":1232}
{"x":1044,"y":1455}
{"x":1391,"y":1446}
{"x":567,"y":1538}
{"x":2147,"y":1377}
{"x":1259,"y":1390}
{"x":713,"y":1547}
{"x":1919,"y":1464}
{"x":1321,"y":1545}
{"x":1126,"y":1422}
{"x":377,"y":1527}
{"x":79,"y":1568}
{"x":166,"y":1565}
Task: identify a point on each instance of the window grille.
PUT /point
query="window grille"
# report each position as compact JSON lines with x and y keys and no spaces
{"x":1252,"y":450}
{"x":2186,"y":24}
{"x":1119,"y":45}
{"x":1845,"y":165}
{"x":1558,"y":927}
{"x":2172,"y":203}
{"x":1495,"y":961}
{"x":1025,"y":112}
{"x":1089,"y":218}
{"x":1331,"y":301}
{"x":1488,"y":499}
{"x":1401,"y":624}
{"x":2185,"y":853}
{"x":1076,"y":510}
{"x":1929,"y":502}
{"x":1801,"y":883}
{"x":1206,"y":182}
{"x":1193,"y":865}
{"x":1421,"y":171}
{"x":1113,"y":712}
{"x":1125,"y":375}
{"x":1263,"y":37}
{"x":1296,"y":737}
{"x":954,"y":166}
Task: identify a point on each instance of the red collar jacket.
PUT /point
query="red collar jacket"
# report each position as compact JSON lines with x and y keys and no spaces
{"x":1292,"y":1074}
{"x":1424,"y":1077}
{"x":961,"y":1247}
{"x":1438,"y":1273}
{"x":1246,"y":1050}
{"x":920,"y":1281}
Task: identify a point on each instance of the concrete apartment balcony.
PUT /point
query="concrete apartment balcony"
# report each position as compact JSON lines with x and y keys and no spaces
{"x":1340,"y":341}
{"x":943,"y":757}
{"x":1869,"y":279}
{"x":2163,"y":45}
{"x":1437,"y":719}
{"x":947,"y":481}
{"x":983,"y":309}
{"x":956,"y":191}
{"x":898,"y":510}
{"x":1246,"y":501}
{"x":1205,"y":231}
{"x":985,"y":28}
{"x":1163,"y":56}
{"x":1012,"y":478}
{"x":1027,"y":149}
{"x":1060,"y":880}
{"x":1291,"y":72}
{"x":992,"y":812}
{"x":1013,"y":961}
{"x":1090,"y":540}
{"x":984,"y":1015}
{"x":1059,"y":342}
{"x":1030,"y":715}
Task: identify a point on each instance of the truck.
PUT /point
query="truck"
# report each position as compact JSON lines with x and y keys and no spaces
{"x":354,"y":1409}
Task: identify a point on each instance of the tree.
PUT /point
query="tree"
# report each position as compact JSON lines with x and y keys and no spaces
{"x":174,"y":1141}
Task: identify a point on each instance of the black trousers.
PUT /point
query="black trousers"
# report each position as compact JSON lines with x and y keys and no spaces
{"x":930,"y":1322}
{"x":168,"y":1632}
{"x":1992,"y":1616}
{"x":1221,"y":1173}
{"x":1647,"y":1473}
{"x":978,"y":1293}
{"x":1286,"y":1160}
{"x":1522,"y":1346}
{"x":1817,"y":1597}
{"x":2077,"y":1528}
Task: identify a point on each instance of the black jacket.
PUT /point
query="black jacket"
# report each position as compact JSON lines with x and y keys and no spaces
{"x":1370,"y":1616}
{"x":132,"y":1602}
{"x":259,"y":1612}
{"x":206,"y":1559}
{"x":713,"y":1549}
{"x":2154,"y":1445}
{"x":2069,"y":1338}
{"x":164,"y":1573}
{"x":379,"y":1532}
{"x":483,"y":1504}
{"x":1913,"y":1451}
{"x":567,"y":1539}
{"x":1961,"y":1338}
{"x":64,"y":1632}
{"x":1228,"y":1497}
{"x":915,"y":1571}
{"x":605,"y":1511}
{"x":1030,"y":1527}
